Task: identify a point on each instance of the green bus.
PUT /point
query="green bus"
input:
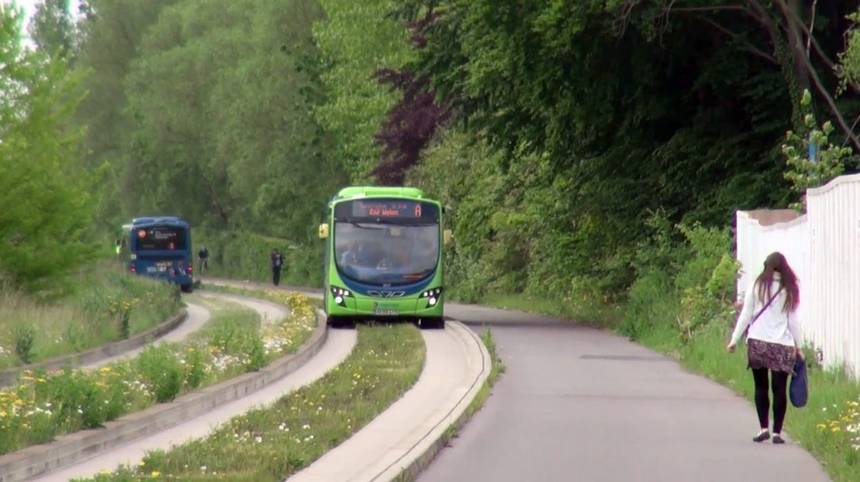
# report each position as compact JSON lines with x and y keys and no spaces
{"x":383,"y":256}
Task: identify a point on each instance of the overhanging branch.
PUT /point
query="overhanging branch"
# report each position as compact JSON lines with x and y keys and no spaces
{"x":744,"y":43}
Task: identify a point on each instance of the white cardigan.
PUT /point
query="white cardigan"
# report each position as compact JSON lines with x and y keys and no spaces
{"x":774,"y":325}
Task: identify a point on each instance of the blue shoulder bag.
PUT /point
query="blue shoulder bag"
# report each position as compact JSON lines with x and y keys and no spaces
{"x":798,"y":390}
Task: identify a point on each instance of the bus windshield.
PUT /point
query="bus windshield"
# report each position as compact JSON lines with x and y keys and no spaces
{"x":160,"y":238}
{"x":386,"y":241}
{"x":379,"y":253}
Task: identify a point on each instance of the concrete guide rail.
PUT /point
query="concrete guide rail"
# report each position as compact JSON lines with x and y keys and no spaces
{"x":338,"y":345}
{"x":99,"y":354}
{"x":72,"y":448}
{"x":407,"y":435}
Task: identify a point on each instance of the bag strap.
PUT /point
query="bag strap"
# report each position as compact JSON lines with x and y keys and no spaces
{"x":765,"y":307}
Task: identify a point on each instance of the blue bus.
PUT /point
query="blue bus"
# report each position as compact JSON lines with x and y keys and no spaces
{"x":160,"y":247}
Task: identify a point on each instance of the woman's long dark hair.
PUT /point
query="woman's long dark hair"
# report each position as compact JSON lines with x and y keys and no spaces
{"x":776,"y":263}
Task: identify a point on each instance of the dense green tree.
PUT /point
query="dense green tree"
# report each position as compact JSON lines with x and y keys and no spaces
{"x":600,"y":122}
{"x":223,"y":129}
{"x":111,"y":31}
{"x":46,"y":207}
{"x":52,"y":28}
{"x":356,"y":41}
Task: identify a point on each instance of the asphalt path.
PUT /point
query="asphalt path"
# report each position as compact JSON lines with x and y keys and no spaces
{"x":580,"y":404}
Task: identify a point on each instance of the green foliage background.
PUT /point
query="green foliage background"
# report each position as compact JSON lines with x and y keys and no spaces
{"x":593,"y":153}
{"x":45,"y":199}
{"x":571,"y":124}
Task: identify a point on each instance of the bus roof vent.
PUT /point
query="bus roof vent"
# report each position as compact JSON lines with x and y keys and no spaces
{"x":157,"y":220}
{"x":380,"y":191}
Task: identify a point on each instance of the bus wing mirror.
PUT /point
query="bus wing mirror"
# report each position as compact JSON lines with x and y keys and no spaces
{"x":447,"y":236}
{"x":323,"y":231}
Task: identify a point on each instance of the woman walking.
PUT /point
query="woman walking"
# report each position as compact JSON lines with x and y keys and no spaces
{"x":773,"y":339}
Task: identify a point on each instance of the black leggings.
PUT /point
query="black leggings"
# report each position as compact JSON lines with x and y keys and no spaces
{"x":780,"y":403}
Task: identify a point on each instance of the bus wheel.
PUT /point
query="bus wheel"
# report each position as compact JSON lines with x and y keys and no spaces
{"x":333,"y":322}
{"x":187,"y":288}
{"x":432,"y":323}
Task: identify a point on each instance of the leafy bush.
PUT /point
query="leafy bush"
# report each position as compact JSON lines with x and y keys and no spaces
{"x":161,"y":368}
{"x":24,"y":338}
{"x":687,"y":284}
{"x":650,"y":301}
{"x":256,"y":353}
{"x":79,"y":400}
{"x":708,"y":246}
{"x":195,"y":365}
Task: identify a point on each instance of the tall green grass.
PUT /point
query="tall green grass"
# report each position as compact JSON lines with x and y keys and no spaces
{"x":90,"y":315}
{"x":43,"y":405}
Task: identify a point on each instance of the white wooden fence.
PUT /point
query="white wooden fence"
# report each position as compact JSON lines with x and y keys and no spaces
{"x":823,"y":248}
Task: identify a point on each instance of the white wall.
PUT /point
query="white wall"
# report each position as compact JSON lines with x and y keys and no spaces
{"x":823,"y":248}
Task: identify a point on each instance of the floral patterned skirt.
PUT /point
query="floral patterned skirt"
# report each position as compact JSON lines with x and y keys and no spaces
{"x":763,"y":354}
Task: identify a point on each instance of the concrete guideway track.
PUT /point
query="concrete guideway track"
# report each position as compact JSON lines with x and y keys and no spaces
{"x":337,"y":347}
{"x":583,"y":404}
{"x":270,"y":313}
{"x":455,"y":368}
{"x":197,"y":317}
{"x":69,"y":449}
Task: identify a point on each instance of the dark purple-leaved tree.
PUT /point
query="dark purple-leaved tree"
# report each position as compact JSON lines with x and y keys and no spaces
{"x":409,"y":126}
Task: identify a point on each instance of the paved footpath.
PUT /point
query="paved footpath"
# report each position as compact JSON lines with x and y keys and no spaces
{"x":579,"y":404}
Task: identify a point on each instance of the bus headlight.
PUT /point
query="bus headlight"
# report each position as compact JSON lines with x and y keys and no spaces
{"x":432,"y":296}
{"x":340,"y":295}
{"x":434,"y":293}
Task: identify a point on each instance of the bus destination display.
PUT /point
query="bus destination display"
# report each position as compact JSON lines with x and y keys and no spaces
{"x":387,"y":209}
{"x":160,"y":238}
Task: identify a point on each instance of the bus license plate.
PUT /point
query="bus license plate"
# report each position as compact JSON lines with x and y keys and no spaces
{"x":382,"y":309}
{"x":160,"y":267}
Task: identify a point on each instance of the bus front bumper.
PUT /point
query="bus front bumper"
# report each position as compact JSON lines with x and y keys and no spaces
{"x":383,"y":307}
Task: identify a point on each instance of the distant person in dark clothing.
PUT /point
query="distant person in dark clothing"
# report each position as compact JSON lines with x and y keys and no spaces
{"x":277,"y":264}
{"x":203,"y":259}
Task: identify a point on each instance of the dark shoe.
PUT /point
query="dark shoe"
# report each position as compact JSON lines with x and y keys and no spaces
{"x":778,"y":440}
{"x":762,"y":436}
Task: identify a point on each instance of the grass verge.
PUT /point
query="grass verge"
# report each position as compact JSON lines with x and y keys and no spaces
{"x":272,"y":443}
{"x":828,"y":427}
{"x":108,"y":306}
{"x":301,"y":308}
{"x":44,"y":405}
